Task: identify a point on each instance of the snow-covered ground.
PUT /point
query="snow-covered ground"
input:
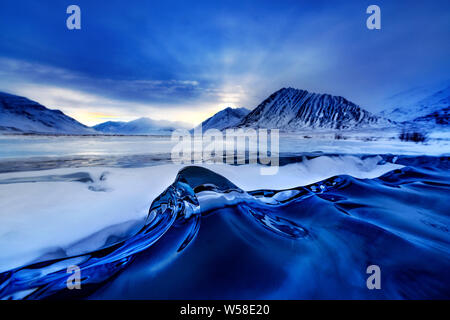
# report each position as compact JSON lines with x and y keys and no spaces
{"x":56,"y":216}
{"x":365,"y":142}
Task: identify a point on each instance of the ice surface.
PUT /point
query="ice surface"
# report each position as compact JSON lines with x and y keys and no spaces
{"x":350,"y":142}
{"x":53,"y":218}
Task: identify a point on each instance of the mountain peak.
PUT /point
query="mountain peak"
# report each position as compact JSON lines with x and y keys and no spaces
{"x":140,"y":126}
{"x":225,"y":118}
{"x":293,"y":109}
{"x":19,"y":114}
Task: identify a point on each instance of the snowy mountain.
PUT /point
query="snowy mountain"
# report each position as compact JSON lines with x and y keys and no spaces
{"x":440,"y":117}
{"x":141,"y":126}
{"x":292,"y":109}
{"x":225,"y":118}
{"x":418,"y":103}
{"x":19,"y":114}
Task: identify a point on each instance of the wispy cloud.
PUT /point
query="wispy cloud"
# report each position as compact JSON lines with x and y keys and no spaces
{"x":113,"y":99}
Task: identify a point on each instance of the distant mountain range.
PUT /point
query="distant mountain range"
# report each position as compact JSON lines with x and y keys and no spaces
{"x":439,"y":117}
{"x":143,"y":126}
{"x":19,"y":114}
{"x":287,"y":109}
{"x":422,"y":104}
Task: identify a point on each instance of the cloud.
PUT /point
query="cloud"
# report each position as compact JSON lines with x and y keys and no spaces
{"x":177,"y":60}
{"x":95,"y":100}
{"x":92,"y":109}
{"x":137,"y":90}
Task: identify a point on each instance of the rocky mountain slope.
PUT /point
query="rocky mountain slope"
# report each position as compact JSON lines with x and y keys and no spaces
{"x":225,"y":118}
{"x":21,"y":115}
{"x":292,"y":109}
{"x":418,"y":103}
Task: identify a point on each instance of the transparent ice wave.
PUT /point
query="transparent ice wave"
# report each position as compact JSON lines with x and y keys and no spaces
{"x":178,"y":203}
{"x":356,"y":220}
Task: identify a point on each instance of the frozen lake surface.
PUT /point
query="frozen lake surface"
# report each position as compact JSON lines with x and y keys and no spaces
{"x":343,"y":203}
{"x":22,"y":152}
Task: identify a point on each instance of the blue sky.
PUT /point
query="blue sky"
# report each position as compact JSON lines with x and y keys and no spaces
{"x":185,"y":60}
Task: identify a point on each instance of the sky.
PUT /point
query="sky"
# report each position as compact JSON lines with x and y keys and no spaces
{"x":185,"y":60}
